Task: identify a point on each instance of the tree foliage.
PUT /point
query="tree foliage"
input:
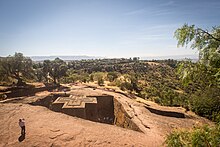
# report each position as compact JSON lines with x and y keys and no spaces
{"x":112,"y":76}
{"x":202,"y":81}
{"x":197,"y":75}
{"x":55,"y":69}
{"x":16,"y":67}
{"x":100,"y":81}
{"x":205,"y":136}
{"x":208,"y":45}
{"x":205,"y":41}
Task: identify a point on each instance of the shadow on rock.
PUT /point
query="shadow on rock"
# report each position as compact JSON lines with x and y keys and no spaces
{"x":21,"y":138}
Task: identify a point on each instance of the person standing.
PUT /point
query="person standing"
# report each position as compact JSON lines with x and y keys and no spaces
{"x":22,"y":125}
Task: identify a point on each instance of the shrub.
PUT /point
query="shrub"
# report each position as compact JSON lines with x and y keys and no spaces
{"x":126,"y":86}
{"x":157,"y":100}
{"x":206,"y":103}
{"x":112,"y":76}
{"x":205,"y":136}
{"x":100,"y":81}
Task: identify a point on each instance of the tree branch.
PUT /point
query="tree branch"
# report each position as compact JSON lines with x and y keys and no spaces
{"x":210,"y":35}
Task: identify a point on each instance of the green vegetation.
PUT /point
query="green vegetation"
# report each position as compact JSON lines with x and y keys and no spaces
{"x":112,"y":76}
{"x":16,"y":67}
{"x":202,"y":81}
{"x":205,"y":136}
{"x":154,"y":80}
{"x":56,"y":69}
{"x":100,"y":81}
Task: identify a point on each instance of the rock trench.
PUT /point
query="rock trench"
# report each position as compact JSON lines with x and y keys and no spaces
{"x":101,"y":108}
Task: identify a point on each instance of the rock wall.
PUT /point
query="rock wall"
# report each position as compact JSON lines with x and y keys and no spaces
{"x":107,"y":110}
{"x":122,"y":119}
{"x":47,"y":101}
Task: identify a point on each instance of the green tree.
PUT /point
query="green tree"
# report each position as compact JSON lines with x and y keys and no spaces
{"x":17,"y":67}
{"x":203,"y":77}
{"x":206,"y":42}
{"x":38,"y":71}
{"x":100,"y":81}
{"x":208,"y":45}
{"x":91,"y":77}
{"x":47,"y":69}
{"x":55,"y":69}
{"x":59,"y":69}
{"x":112,"y":76}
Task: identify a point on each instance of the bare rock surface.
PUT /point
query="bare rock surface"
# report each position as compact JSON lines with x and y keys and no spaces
{"x":47,"y":128}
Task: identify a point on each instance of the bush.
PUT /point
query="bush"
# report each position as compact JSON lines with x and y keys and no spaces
{"x":206,"y":103}
{"x":205,"y":136}
{"x":157,"y":100}
{"x":91,"y":78}
{"x":126,"y":86}
{"x":112,"y":76}
{"x":100,"y":81}
{"x":98,"y":75}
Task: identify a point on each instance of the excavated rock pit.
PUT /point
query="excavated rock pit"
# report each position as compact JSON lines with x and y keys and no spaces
{"x":101,"y":108}
{"x":166,"y":113}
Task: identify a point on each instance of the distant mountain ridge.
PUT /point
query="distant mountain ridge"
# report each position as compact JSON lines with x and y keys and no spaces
{"x":175,"y":57}
{"x":66,"y":58}
{"x":84,"y":57}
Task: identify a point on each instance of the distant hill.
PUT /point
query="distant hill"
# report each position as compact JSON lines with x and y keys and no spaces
{"x":84,"y":57}
{"x":66,"y":58}
{"x":176,"y":57}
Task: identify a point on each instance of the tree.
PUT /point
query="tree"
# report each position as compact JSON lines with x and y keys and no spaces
{"x":208,"y":45}
{"x":196,"y":76}
{"x":112,"y":76}
{"x":203,"y":76}
{"x":100,"y":81}
{"x":47,"y":69}
{"x":91,"y":77}
{"x":38,"y":71}
{"x":136,"y":58}
{"x":17,"y":67}
{"x":206,"y":42}
{"x":59,"y":69}
{"x":56,"y":69}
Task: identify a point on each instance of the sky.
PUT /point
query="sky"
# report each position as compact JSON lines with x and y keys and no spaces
{"x":106,"y":28}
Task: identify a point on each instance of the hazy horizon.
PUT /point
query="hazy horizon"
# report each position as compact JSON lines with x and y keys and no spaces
{"x":85,"y":57}
{"x":112,"y":29}
{"x":78,"y":55}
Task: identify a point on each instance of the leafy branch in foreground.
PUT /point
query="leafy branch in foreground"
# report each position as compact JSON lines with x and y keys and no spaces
{"x":208,"y":45}
{"x":206,"y":42}
{"x":202,"y":81}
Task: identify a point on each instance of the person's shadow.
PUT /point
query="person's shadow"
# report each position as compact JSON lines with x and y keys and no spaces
{"x":21,"y":137}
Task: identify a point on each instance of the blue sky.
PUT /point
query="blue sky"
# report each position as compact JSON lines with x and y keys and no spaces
{"x":107,"y":28}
